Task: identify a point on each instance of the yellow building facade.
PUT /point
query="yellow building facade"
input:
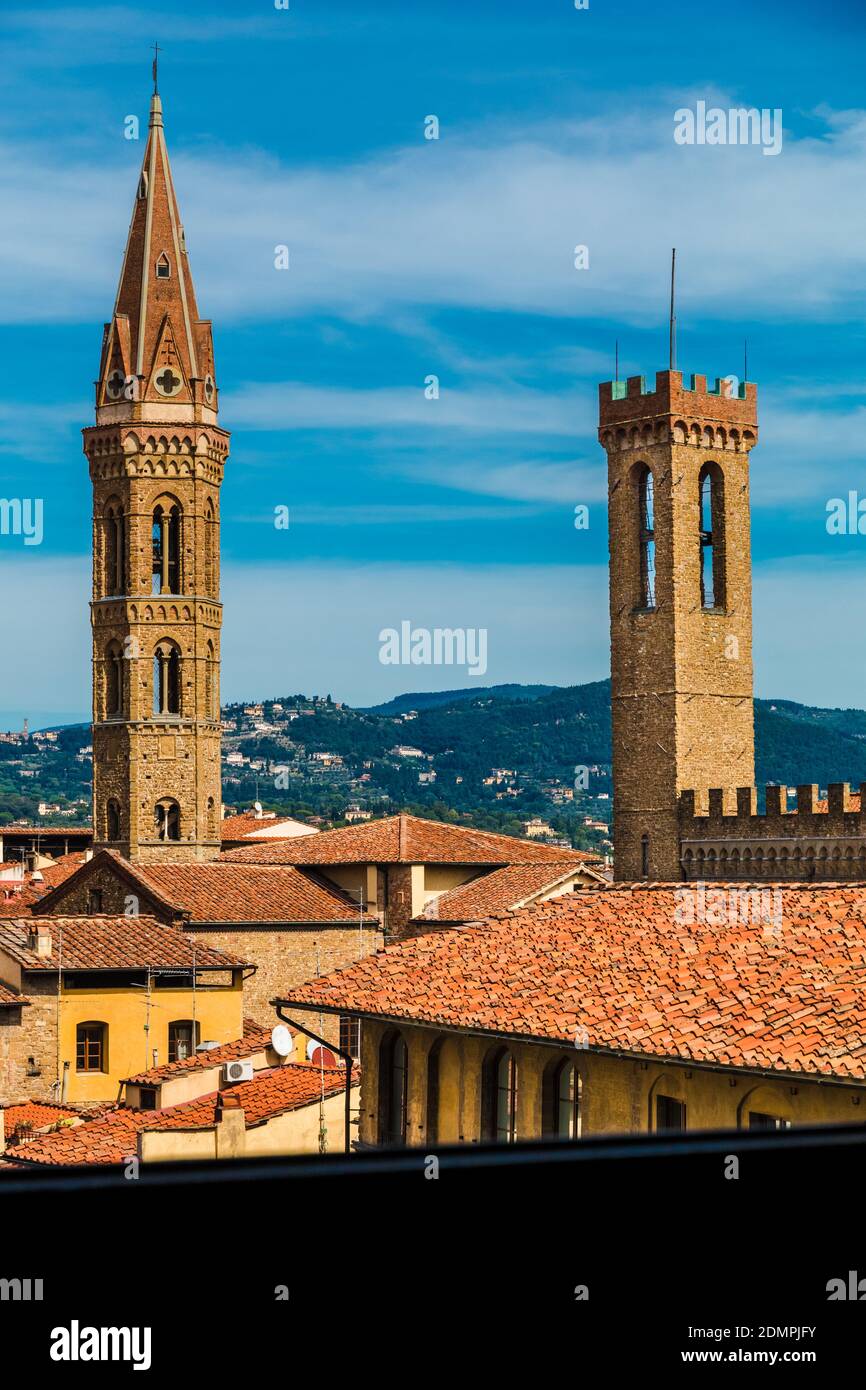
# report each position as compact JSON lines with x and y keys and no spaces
{"x":98,"y":999}
{"x":459,"y":1088}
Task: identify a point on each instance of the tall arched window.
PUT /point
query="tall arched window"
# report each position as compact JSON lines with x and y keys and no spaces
{"x":115,"y":549}
{"x":711,"y":491}
{"x":166,"y":533}
{"x":166,"y":678}
{"x":647,"y":538}
{"x":561,"y":1097}
{"x":211,"y":696}
{"x":393,"y":1089}
{"x":112,"y":820}
{"x":499,"y":1097}
{"x":431,"y":1125}
{"x":113,"y":680}
{"x":167,"y":820}
{"x":210,"y":534}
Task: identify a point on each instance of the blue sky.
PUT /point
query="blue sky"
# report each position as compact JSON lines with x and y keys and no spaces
{"x":410,"y":258}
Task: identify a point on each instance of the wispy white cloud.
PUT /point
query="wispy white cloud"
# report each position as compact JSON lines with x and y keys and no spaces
{"x":522,"y":480}
{"x":485,"y":219}
{"x":494,"y":410}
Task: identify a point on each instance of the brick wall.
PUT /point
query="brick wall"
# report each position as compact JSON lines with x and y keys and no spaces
{"x":30,"y":1031}
{"x":288,"y":956}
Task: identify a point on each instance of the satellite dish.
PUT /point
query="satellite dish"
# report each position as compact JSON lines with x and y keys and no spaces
{"x":320,"y":1056}
{"x":281,"y":1040}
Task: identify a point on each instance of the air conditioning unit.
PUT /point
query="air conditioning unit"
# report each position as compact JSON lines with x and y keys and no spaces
{"x":238,"y":1071}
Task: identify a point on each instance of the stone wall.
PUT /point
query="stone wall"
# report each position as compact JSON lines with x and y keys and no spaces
{"x":29,"y":1033}
{"x":287,"y":956}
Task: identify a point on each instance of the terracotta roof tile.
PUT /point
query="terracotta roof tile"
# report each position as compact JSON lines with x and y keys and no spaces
{"x":109,"y":943}
{"x":255,"y":1039}
{"x":10,"y":999}
{"x":248,"y":823}
{"x":623,"y":964}
{"x":224,"y":892}
{"x":403,"y":840}
{"x":501,"y":890}
{"x":18,"y":901}
{"x":112,"y":1139}
{"x":37,"y":1113}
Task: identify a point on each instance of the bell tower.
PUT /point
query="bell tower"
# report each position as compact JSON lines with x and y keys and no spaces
{"x":680,"y":605}
{"x":156,"y":456}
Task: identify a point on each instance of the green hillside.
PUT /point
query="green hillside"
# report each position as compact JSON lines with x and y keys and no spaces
{"x":491,"y":757}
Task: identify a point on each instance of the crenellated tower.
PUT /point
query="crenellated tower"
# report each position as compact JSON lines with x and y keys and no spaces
{"x":156,"y":456}
{"x":680,"y":605}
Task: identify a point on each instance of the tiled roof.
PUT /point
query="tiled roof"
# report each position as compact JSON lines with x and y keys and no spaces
{"x":501,"y":890}
{"x":76,"y":830}
{"x":248,"y":823}
{"x":615,"y":967}
{"x":109,"y":943}
{"x":17,"y":902}
{"x":37,"y":1113}
{"x":9,"y":999}
{"x":113,"y":1139}
{"x":223,"y":892}
{"x":255,"y":1039}
{"x":403,"y":840}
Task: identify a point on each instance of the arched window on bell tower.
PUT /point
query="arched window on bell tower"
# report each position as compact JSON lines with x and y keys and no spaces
{"x":210,"y":547}
{"x":166,"y":678}
{"x":711,"y":501}
{"x":114,"y":691}
{"x":211,"y":701}
{"x":115,"y":548}
{"x":112,"y":820}
{"x":646,"y":538}
{"x":167,"y":820}
{"x":166,"y":533}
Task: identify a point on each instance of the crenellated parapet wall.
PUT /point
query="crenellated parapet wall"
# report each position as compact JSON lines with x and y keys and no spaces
{"x":678,"y":411}
{"x":818,"y":840}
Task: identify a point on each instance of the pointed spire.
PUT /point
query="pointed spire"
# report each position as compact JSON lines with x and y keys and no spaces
{"x":157,"y":349}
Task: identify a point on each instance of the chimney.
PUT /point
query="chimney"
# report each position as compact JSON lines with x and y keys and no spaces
{"x":231,"y":1126}
{"x":39,"y":938}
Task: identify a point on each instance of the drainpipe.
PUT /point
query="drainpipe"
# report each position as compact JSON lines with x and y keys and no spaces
{"x":65,"y":1082}
{"x":347,"y":1058}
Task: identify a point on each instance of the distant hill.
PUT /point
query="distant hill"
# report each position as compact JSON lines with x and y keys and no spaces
{"x":427,"y":699}
{"x":491,"y":757}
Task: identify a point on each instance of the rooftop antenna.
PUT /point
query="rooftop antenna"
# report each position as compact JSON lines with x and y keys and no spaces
{"x":156,"y":52}
{"x":673,"y":325}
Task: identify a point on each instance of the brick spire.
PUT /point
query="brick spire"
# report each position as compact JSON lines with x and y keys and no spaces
{"x":156,"y":351}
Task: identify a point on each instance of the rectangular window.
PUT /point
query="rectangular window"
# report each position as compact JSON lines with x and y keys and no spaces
{"x":350,"y":1035}
{"x":90,"y":1047}
{"x":94,"y":900}
{"x":180,"y":1041}
{"x":670,"y":1114}
{"x":147,"y":1098}
{"x":758,"y":1120}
